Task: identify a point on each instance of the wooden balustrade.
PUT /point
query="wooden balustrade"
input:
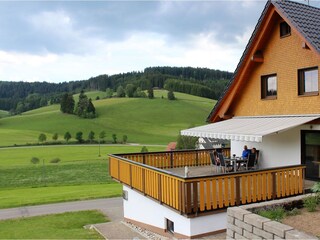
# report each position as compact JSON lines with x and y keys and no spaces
{"x":202,"y":194}
{"x":174,"y":159}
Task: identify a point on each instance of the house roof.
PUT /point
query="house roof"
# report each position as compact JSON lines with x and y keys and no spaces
{"x":304,"y":18}
{"x":251,"y":129}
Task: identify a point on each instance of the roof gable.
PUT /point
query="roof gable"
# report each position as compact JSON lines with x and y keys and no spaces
{"x":303,"y":18}
{"x":306,"y":20}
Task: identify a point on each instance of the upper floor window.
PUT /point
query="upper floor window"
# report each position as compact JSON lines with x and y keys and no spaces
{"x":269,"y":86}
{"x":285,"y":29}
{"x":308,"y":81}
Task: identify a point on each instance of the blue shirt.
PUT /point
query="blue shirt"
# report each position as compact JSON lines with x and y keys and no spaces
{"x":246,"y":153}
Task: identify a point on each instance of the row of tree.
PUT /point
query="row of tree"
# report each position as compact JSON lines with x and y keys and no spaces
{"x":79,"y":137}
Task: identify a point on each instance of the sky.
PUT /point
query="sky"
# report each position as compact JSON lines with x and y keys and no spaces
{"x":57,"y":41}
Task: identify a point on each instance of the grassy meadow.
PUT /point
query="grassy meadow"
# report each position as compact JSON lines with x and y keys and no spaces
{"x":81,"y":173}
{"x":148,"y":121}
{"x":58,"y":226}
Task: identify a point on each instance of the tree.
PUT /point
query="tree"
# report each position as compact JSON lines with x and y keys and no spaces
{"x":42,"y":137}
{"x":91,"y":136}
{"x":144,"y":149}
{"x":139,"y":93}
{"x":79,"y":137}
{"x":109,"y":93}
{"x":186,"y":142}
{"x":130,"y":90}
{"x":114,"y":138}
{"x":102,"y":135}
{"x":124,"y":138}
{"x":67,"y":103}
{"x":121,"y":92}
{"x":67,"y":136}
{"x":171,"y":95}
{"x":150,"y":93}
{"x":82,"y":105}
{"x":91,"y":110}
{"x":55,"y":136}
{"x":85,"y":107}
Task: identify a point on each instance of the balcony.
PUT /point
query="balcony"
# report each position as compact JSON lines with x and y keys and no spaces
{"x":160,"y":176}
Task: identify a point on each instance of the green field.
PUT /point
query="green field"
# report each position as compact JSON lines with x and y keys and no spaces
{"x":57,"y":226}
{"x":4,"y":113}
{"x":81,"y":174}
{"x":155,"y":121}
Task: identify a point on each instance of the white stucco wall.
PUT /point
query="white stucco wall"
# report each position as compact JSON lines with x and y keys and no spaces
{"x":147,"y":211}
{"x":276,"y":150}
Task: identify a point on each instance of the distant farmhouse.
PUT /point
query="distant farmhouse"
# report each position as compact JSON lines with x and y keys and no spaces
{"x":272,"y":104}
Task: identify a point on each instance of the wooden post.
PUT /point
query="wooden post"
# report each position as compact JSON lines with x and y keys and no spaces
{"x":171,"y":159}
{"x":237,"y":191}
{"x":195,"y":197}
{"x":274,"y":186}
{"x":159,"y":188}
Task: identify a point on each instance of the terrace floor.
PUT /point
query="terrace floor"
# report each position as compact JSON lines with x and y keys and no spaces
{"x":211,"y":170}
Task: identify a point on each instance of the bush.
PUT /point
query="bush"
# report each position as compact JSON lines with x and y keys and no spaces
{"x":35,"y":160}
{"x":276,"y":214}
{"x":144,"y":149}
{"x":55,"y":160}
{"x":310,"y":203}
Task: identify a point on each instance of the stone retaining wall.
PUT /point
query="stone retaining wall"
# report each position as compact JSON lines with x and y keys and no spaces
{"x":243,"y":224}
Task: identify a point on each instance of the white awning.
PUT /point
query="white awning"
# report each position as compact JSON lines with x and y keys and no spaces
{"x":250,"y":129}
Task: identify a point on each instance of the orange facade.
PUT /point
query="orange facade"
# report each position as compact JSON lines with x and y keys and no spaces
{"x":283,"y":57}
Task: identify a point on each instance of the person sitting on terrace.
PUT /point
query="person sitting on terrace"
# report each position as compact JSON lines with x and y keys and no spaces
{"x":216,"y":158}
{"x":245,"y":152}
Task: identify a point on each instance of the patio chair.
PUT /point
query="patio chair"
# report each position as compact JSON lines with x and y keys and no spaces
{"x":251,"y":163}
{"x":213,"y":161}
{"x":225,"y":167}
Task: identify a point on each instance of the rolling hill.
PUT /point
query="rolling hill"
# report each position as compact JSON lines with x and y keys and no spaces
{"x":155,"y":121}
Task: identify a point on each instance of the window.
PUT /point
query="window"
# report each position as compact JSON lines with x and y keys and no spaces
{"x":269,"y":87}
{"x":285,"y":29}
{"x":308,"y":81}
{"x":170,"y":226}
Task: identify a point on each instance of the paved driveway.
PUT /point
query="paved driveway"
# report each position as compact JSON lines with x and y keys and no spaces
{"x":112,"y":207}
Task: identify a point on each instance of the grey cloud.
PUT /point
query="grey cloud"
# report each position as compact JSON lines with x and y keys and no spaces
{"x":115,"y":21}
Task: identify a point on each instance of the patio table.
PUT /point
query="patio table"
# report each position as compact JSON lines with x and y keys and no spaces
{"x":235,"y":162}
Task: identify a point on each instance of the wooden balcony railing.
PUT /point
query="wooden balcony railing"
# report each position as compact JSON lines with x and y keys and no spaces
{"x":196,"y":195}
{"x":174,"y":159}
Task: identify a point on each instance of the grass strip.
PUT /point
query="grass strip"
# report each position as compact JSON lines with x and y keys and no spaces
{"x":58,"y":226}
{"x":18,"y":197}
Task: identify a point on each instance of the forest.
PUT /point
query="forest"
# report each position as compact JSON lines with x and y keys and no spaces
{"x":18,"y":97}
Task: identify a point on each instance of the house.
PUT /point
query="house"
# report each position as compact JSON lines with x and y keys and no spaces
{"x":210,"y":143}
{"x":171,"y":146}
{"x":272,"y":103}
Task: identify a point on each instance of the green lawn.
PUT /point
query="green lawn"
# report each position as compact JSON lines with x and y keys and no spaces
{"x":4,"y":113}
{"x":10,"y":157}
{"x":17,"y":197}
{"x":57,"y":226}
{"x":81,"y":174}
{"x":142,"y":120}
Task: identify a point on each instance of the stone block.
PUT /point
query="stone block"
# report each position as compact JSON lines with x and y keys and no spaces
{"x":243,"y":225}
{"x":234,"y":228}
{"x":276,"y":228}
{"x":255,"y":220}
{"x":250,"y":235}
{"x":262,"y":233}
{"x":237,"y":212}
{"x":230,"y":233}
{"x":295,"y":234}
{"x":230,"y":219}
{"x":238,"y":236}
